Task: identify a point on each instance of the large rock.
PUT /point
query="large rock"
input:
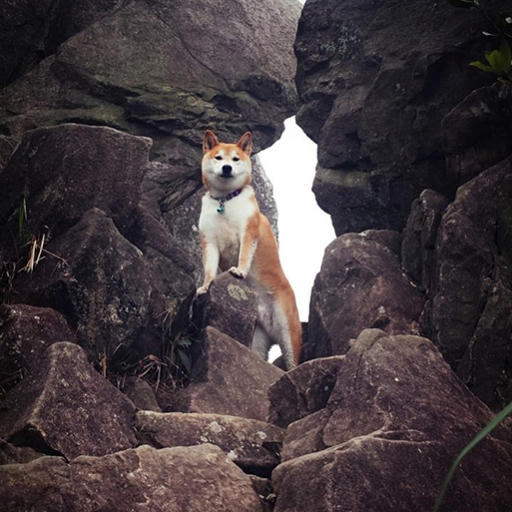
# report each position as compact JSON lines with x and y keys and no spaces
{"x":115,"y":295}
{"x":64,"y":406}
{"x":159,"y":69}
{"x":64,"y":171}
{"x":228,"y":378}
{"x":253,"y":445}
{"x":25,"y":333}
{"x":360,"y":285}
{"x":230,"y":306}
{"x":376,"y":81}
{"x":388,"y":431}
{"x":468,"y":312}
{"x":142,"y":480}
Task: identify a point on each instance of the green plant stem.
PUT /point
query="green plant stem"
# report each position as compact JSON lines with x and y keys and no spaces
{"x":483,"y":433}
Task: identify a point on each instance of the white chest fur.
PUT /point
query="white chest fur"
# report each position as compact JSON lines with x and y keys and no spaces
{"x":226,"y":230}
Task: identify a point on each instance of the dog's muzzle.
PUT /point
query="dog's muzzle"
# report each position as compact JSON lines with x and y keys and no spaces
{"x":226,"y":171}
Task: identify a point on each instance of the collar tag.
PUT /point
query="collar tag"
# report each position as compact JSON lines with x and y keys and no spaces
{"x":221,"y":208}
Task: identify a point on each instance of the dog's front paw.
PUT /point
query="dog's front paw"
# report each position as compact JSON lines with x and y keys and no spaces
{"x":202,"y":290}
{"x":235,"y":271}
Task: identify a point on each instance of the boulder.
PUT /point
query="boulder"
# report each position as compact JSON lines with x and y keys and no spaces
{"x":376,"y":82}
{"x":63,"y":171}
{"x":468,"y":311}
{"x":360,"y":285}
{"x":252,"y":445}
{"x":393,"y":423}
{"x":25,"y":333}
{"x":227,"y":378}
{"x":161,"y":70}
{"x":142,"y":479}
{"x":419,"y":237}
{"x":65,"y":407}
{"x":230,"y":306}
{"x":116,"y":296}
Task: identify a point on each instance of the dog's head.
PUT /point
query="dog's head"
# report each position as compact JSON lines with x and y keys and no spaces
{"x":226,"y":167}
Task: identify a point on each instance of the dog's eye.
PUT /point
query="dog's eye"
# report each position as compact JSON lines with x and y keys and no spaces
{"x":218,"y":157}
{"x":236,"y":159}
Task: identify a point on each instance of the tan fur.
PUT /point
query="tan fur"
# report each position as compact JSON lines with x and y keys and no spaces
{"x":241,"y":240}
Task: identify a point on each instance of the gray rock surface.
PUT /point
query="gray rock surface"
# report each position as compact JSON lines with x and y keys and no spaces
{"x":65,"y":407}
{"x":387,"y":433}
{"x":376,"y":81}
{"x":468,"y":312}
{"x":360,"y":285}
{"x":253,"y":445}
{"x":228,"y":378}
{"x":143,"y":480}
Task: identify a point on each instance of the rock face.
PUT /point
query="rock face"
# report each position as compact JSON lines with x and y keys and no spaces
{"x":468,"y":312}
{"x":360,"y":285}
{"x":376,"y":81}
{"x":63,"y":406}
{"x":143,"y":479}
{"x":153,"y":69}
{"x":390,"y":406}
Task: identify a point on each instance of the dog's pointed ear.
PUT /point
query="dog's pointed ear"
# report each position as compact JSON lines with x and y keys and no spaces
{"x":209,"y":141}
{"x":245,"y":143}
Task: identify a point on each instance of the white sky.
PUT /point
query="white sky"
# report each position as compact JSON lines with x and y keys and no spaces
{"x":304,"y":229}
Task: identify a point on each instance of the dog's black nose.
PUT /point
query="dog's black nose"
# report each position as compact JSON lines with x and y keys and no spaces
{"x":226,"y":170}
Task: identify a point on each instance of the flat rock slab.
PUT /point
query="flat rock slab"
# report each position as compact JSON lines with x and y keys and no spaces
{"x":64,"y":406}
{"x":194,"y":479}
{"x":228,"y":378}
{"x":253,"y":445}
{"x":395,"y":420}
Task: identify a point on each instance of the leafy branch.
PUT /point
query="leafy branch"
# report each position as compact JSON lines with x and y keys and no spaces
{"x":498,"y":61}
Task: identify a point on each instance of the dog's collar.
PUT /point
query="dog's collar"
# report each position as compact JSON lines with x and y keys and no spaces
{"x":222,"y":200}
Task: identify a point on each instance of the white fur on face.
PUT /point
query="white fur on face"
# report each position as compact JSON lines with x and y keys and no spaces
{"x":212,"y":170}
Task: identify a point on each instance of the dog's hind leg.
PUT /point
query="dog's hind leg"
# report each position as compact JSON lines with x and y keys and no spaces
{"x":260,"y":341}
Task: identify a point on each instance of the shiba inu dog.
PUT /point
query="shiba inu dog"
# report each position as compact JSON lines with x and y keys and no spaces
{"x":236,"y":236}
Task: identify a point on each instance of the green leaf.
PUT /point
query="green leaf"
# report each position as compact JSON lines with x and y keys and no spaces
{"x":495,"y":59}
{"x":481,"y":435}
{"x":482,"y":66}
{"x":185,"y":359}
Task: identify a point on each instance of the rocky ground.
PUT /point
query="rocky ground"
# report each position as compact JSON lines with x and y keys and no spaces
{"x":120,"y":391}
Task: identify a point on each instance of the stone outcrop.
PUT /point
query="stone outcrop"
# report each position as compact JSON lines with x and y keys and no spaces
{"x":65,"y":407}
{"x":376,"y":82}
{"x":25,"y":333}
{"x":143,"y":479}
{"x":470,"y":300}
{"x":360,"y":285}
{"x":102,"y":109}
{"x":391,"y":420}
{"x":153,"y":69}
